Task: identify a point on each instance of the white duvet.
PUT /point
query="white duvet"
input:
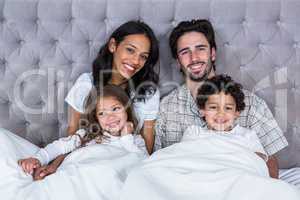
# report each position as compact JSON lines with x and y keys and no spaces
{"x":93,"y":172}
{"x":208,"y":168}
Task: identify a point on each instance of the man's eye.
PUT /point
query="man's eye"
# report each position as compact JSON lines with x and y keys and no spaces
{"x":201,"y":48}
{"x":182,"y":53}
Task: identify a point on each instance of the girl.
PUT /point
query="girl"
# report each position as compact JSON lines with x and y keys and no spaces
{"x":127,"y":59}
{"x":112,"y":122}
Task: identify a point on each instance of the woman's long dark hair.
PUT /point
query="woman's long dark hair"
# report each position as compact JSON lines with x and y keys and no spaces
{"x":102,"y":65}
{"x":94,"y":131}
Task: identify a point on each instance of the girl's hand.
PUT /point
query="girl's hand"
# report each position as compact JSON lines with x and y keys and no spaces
{"x":29,"y":164}
{"x":41,"y":172}
{"x":127,"y":129}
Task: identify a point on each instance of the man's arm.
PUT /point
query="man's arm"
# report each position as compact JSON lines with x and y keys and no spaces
{"x":273,"y":167}
{"x":257,"y":116}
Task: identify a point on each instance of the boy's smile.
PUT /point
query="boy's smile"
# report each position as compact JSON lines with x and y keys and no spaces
{"x":220,"y":112}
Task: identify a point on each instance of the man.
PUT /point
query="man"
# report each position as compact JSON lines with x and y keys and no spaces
{"x":193,"y":45}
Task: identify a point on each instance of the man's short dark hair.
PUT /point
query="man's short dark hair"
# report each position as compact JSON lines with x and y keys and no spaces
{"x":201,"y":25}
{"x":221,"y":83}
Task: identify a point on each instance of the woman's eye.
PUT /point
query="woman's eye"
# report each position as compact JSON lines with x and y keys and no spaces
{"x":130,"y":50}
{"x":144,"y":57}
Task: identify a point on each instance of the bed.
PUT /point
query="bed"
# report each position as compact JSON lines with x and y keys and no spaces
{"x":46,"y":44}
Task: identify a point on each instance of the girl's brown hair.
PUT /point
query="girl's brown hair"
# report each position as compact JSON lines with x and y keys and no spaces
{"x":93,"y":129}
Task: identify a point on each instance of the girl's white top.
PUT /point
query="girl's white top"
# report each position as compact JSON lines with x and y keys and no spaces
{"x":144,"y":110}
{"x":130,"y":143}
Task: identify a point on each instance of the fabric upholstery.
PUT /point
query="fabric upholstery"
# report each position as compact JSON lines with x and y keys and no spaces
{"x":46,"y":44}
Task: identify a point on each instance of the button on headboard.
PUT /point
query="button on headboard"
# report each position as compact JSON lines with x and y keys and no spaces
{"x":46,"y":44}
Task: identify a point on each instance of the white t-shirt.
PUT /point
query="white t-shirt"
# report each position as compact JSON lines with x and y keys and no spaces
{"x":68,"y":144}
{"x":144,"y":110}
{"x":239,"y":135}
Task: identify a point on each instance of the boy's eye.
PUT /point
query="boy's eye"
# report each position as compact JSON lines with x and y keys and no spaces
{"x":212,"y":107}
{"x":229,"y":108}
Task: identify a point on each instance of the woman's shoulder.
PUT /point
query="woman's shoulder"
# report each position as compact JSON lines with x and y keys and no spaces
{"x":86,"y":77}
{"x":150,"y":102}
{"x":153,"y":95}
{"x":83,"y":83}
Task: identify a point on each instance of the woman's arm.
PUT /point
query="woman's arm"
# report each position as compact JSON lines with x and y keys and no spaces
{"x":148,"y":134}
{"x":73,"y":123}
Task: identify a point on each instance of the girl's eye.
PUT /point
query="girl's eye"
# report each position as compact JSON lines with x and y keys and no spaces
{"x":116,"y":109}
{"x":101,"y":113}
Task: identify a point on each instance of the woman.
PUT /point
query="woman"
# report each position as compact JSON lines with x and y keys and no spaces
{"x":127,"y":60}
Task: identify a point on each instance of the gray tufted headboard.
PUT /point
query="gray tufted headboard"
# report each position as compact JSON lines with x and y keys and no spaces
{"x":46,"y":44}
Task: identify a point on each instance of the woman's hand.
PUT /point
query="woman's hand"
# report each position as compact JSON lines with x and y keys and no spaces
{"x":127,"y":129}
{"x":29,"y":164}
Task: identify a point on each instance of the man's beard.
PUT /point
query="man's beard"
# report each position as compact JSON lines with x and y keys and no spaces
{"x":204,"y":75}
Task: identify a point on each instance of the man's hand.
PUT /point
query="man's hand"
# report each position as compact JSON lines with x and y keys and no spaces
{"x":29,"y":164}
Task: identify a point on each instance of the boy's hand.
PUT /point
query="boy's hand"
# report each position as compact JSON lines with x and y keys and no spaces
{"x":127,"y":129}
{"x":29,"y":164}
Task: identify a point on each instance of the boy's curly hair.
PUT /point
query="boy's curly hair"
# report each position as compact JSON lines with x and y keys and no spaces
{"x":221,"y":83}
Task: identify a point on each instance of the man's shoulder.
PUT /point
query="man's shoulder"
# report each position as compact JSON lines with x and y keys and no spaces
{"x":172,"y":97}
{"x":252,"y":98}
